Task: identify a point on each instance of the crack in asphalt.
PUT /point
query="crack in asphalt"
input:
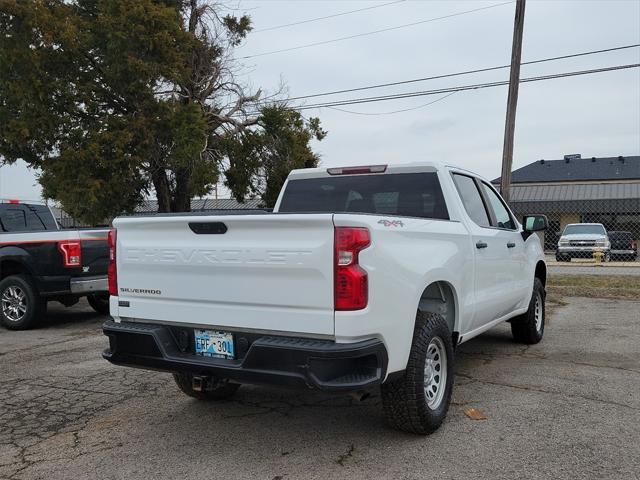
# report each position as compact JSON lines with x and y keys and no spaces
{"x":549,"y":392}
{"x":345,"y":456}
{"x":489,"y":357}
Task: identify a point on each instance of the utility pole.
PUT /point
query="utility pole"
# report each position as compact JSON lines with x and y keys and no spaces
{"x":512,"y":101}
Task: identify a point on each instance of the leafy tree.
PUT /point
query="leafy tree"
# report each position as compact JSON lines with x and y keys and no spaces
{"x":261,"y":158}
{"x":114,"y":100}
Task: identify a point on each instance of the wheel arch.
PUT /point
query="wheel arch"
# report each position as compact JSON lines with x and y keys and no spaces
{"x":13,"y":266}
{"x":440,"y":297}
{"x":541,"y":272}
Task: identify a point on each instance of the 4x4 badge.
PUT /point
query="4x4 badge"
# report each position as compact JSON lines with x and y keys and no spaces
{"x":391,"y":223}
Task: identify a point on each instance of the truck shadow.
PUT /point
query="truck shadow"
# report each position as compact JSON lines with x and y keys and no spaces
{"x":79,"y":314}
{"x":309,"y":416}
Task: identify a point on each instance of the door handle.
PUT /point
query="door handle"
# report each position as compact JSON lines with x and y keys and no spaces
{"x":481,"y":244}
{"x":511,"y":244}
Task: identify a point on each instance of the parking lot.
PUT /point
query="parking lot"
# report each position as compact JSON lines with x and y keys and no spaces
{"x":568,"y":407}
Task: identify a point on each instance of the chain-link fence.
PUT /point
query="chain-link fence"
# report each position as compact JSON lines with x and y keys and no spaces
{"x":614,"y":205}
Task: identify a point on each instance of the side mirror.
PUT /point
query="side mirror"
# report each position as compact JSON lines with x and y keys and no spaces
{"x":535,"y":223}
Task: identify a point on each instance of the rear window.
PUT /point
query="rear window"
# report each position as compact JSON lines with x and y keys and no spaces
{"x":403,"y":194}
{"x":26,"y":217}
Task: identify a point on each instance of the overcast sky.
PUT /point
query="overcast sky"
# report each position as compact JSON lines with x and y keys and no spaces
{"x":595,"y":115}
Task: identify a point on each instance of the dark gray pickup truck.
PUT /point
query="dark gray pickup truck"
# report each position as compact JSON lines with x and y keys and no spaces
{"x":39,"y":262}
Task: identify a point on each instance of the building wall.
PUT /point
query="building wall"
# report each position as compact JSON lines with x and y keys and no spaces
{"x":567,"y":218}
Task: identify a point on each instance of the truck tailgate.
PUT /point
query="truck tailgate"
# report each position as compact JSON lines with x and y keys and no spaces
{"x":259,"y":272}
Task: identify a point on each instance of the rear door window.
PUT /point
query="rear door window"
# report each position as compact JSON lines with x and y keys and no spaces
{"x":471,"y":199}
{"x":39,"y":217}
{"x":402,"y":194}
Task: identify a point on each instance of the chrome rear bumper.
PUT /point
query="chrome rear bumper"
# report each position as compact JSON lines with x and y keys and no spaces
{"x":89,"y":285}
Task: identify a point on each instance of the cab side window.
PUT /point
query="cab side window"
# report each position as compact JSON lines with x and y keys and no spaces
{"x":503,"y":218}
{"x":471,"y":199}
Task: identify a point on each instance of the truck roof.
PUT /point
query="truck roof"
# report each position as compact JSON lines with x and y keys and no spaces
{"x":19,"y":201}
{"x":409,"y":167}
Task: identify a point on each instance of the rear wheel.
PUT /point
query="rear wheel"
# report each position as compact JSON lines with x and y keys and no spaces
{"x":20,"y":305}
{"x":418,"y":402}
{"x":529,"y":327}
{"x":99,"y":302}
{"x":212,"y":388}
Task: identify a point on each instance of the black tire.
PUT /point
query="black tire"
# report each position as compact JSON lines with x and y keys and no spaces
{"x":18,"y":291}
{"x":215,"y":389}
{"x":99,"y":302}
{"x":526,"y":328}
{"x":404,"y":401}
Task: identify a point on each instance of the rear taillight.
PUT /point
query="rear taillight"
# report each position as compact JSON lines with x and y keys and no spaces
{"x":351,"y":288}
{"x":112,"y":271}
{"x":71,"y":253}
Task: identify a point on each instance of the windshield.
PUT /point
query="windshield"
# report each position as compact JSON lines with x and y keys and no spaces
{"x":404,"y":194}
{"x":584,"y":229}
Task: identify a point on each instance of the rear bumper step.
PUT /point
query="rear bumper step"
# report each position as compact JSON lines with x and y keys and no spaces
{"x":320,"y":364}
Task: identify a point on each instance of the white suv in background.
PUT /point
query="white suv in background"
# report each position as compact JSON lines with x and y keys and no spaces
{"x":582,"y":240}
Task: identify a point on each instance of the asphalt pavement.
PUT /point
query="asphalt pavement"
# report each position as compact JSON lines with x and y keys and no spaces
{"x":567,"y":408}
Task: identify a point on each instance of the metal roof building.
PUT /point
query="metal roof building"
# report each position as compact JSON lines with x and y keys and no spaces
{"x":572,"y":190}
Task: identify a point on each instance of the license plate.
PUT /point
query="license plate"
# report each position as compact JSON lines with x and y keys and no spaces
{"x":210,"y":343}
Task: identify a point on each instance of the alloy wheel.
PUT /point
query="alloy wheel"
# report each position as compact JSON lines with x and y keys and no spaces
{"x":14,"y":303}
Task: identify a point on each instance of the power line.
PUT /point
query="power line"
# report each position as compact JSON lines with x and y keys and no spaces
{"x":277,"y":27}
{"x":462,"y":88}
{"x":395,"y":111}
{"x":467,"y":72}
{"x":325,"y":42}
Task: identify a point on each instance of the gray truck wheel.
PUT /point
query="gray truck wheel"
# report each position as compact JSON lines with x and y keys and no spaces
{"x":529,"y":327}
{"x":418,"y":401}
{"x":99,"y":302}
{"x":20,"y":305}
{"x":216,"y":389}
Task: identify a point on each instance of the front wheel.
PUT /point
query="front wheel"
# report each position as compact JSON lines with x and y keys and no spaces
{"x":529,"y":327}
{"x":212,"y":389}
{"x":99,"y":302}
{"x":418,"y":401}
{"x":21,"y":306}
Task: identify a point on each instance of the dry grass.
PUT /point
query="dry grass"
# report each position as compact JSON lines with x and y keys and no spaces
{"x":600,"y":286}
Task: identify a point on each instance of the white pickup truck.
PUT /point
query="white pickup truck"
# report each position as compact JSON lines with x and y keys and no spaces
{"x":362,"y":277}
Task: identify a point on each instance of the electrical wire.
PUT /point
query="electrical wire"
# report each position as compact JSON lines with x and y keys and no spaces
{"x":395,"y":111}
{"x":467,"y":72}
{"x":325,"y":42}
{"x":277,"y":27}
{"x":462,"y":88}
